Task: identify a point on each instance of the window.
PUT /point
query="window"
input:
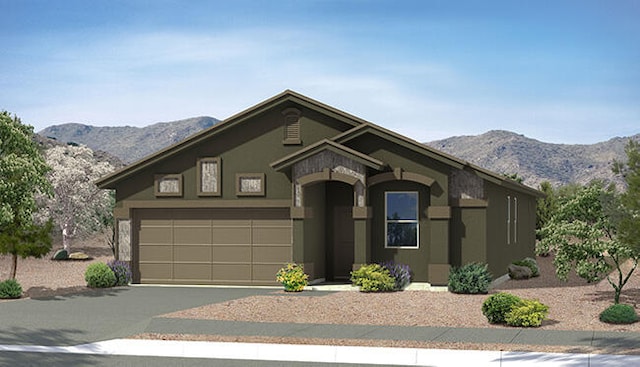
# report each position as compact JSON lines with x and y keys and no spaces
{"x":401,"y":221}
{"x":209,"y":177}
{"x":291,"y":127}
{"x":250,"y":184}
{"x":168,"y":185}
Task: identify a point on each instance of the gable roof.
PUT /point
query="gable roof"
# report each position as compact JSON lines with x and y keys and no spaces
{"x":359,"y":127}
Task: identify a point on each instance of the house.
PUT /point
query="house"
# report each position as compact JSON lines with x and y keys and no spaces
{"x":294,"y":180}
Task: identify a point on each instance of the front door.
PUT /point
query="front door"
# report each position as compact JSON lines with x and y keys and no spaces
{"x":342,"y":242}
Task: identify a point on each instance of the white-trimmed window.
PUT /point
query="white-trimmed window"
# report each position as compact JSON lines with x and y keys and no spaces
{"x":401,"y":219}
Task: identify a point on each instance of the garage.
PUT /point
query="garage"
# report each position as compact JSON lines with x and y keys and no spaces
{"x":211,"y":246}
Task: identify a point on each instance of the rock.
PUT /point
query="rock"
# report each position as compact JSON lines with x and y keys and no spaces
{"x":61,"y":254}
{"x":78,"y":256}
{"x":519,"y":272}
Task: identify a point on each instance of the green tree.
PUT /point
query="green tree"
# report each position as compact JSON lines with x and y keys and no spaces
{"x":583,"y":235}
{"x":22,"y":175}
{"x":629,"y":225}
{"x":546,"y":206}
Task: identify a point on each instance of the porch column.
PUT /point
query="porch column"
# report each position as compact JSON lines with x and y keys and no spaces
{"x":361,"y":235}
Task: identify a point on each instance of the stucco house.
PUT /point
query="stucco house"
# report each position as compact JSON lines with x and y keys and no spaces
{"x":294,"y":180}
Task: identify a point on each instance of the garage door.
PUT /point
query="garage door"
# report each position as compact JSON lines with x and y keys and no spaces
{"x":212,"y":246}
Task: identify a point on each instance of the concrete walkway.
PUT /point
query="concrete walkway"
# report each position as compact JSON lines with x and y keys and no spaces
{"x":96,"y":323}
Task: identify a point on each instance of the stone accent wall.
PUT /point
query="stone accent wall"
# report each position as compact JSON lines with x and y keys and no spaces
{"x":124,"y":239}
{"x":465,"y":185}
{"x":335,"y":162}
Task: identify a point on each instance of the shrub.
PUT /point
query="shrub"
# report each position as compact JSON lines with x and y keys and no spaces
{"x":527,"y":313}
{"x":531,"y":264}
{"x":99,"y":275}
{"x":472,"y":278}
{"x":293,"y":278}
{"x":10,"y":289}
{"x":122,"y":271}
{"x":400,"y":273}
{"x":619,"y":314}
{"x":373,"y":278}
{"x":496,"y":306}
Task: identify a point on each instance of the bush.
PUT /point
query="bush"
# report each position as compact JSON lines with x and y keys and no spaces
{"x":496,"y":306}
{"x":373,"y":278}
{"x":619,"y":314}
{"x":472,"y":278}
{"x":527,"y":313}
{"x":99,"y":275}
{"x":293,"y":278}
{"x":122,"y":271}
{"x":400,"y":273}
{"x":531,"y":264}
{"x":10,"y":289}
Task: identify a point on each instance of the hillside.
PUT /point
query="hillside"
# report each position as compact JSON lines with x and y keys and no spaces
{"x":536,"y":161}
{"x":126,"y":142}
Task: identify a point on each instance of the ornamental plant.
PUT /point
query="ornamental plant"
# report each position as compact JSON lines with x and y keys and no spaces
{"x":292,"y":277}
{"x":122,"y":271}
{"x":531,"y":264}
{"x":619,"y":313}
{"x":527,"y":313}
{"x":498,"y":305}
{"x":473,"y":278}
{"x":99,"y":275}
{"x":10,"y":289}
{"x":400,"y":273}
{"x":373,"y":278}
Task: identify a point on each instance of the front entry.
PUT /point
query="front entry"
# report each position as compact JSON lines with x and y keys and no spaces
{"x":340,"y":249}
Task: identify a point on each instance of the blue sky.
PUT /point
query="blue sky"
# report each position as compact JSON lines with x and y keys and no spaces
{"x":557,"y":71}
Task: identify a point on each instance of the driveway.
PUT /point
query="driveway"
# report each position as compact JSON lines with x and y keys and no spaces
{"x":100,"y":315}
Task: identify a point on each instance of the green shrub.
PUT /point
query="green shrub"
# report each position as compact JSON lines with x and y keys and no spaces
{"x":619,"y":314}
{"x":293,"y":278}
{"x":496,"y":306}
{"x":527,"y":313}
{"x":472,"y":278}
{"x":531,"y":264}
{"x":373,"y":278}
{"x":99,"y":275}
{"x":10,"y":289}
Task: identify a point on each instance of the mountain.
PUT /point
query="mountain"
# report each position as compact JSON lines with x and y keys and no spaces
{"x":126,"y":142}
{"x":535,"y":161}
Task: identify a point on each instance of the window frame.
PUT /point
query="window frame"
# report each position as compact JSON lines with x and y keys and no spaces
{"x":218,"y":191}
{"x":171,"y":176}
{"x":416,"y":221}
{"x":240,"y":176}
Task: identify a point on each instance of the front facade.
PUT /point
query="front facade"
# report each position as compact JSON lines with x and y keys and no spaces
{"x":294,"y":180}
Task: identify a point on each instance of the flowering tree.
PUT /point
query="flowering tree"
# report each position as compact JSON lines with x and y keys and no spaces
{"x":77,"y":206}
{"x":22,"y":171}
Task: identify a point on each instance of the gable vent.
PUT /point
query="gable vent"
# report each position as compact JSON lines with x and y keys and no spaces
{"x":291,"y":126}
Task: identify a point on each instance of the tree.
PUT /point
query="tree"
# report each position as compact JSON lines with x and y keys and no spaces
{"x":629,"y":226}
{"x":22,"y":176}
{"x":77,"y":206}
{"x":583,"y":235}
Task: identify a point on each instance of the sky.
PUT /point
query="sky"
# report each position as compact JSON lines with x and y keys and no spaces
{"x":557,"y":71}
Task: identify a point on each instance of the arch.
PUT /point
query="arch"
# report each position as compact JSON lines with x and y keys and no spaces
{"x":399,"y":174}
{"x":327,"y":175}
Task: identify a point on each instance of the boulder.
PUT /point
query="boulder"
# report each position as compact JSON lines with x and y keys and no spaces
{"x":78,"y":256}
{"x":61,"y":254}
{"x":519,"y":272}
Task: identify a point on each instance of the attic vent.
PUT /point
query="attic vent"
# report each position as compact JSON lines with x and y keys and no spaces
{"x":291,"y":126}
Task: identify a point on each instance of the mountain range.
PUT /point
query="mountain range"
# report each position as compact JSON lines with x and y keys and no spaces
{"x":497,"y":150}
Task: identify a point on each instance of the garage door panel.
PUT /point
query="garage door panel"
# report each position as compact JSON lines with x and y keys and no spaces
{"x":156,"y":234}
{"x":232,"y":253}
{"x":231,"y":272}
{"x":191,"y":271}
{"x":150,"y":252}
{"x":265,"y":272}
{"x":233,"y":235}
{"x":272,"y":254}
{"x":156,"y":271}
{"x":272,"y":235}
{"x":192,"y":235}
{"x":192,"y":253}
